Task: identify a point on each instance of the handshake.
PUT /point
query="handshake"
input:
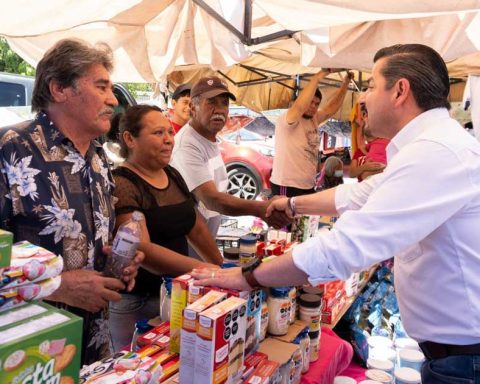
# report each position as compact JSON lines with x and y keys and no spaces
{"x":276,"y":212}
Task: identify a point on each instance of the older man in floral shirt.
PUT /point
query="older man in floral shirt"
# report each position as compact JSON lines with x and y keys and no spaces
{"x":56,"y":187}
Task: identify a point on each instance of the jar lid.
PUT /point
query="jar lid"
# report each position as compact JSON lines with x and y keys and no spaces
{"x":411,"y":355}
{"x":248,"y":239}
{"x":379,"y":341}
{"x":384,"y":365}
{"x":344,"y":380}
{"x":406,"y":342}
{"x":408,"y":375}
{"x":228,"y":265}
{"x":310,"y":301}
{"x":279,"y":291}
{"x":314,"y":335}
{"x":313,"y":290}
{"x":383,"y":353}
{"x":231,"y":253}
{"x":378,"y":375}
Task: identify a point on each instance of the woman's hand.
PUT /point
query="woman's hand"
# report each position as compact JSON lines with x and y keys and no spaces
{"x":230,"y":278}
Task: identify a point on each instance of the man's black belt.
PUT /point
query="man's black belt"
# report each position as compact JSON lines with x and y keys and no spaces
{"x":433,"y":350}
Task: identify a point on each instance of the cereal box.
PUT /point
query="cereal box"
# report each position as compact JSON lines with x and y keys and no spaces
{"x":39,"y":344}
{"x":220,"y":342}
{"x":178,"y":302}
{"x":6,"y":240}
{"x":189,"y":333}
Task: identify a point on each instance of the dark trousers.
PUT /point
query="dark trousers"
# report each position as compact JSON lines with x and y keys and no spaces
{"x":464,"y":369}
{"x":281,"y":190}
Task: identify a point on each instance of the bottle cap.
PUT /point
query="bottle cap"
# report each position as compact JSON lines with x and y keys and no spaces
{"x":248,"y":239}
{"x":310,"y":301}
{"x":279,"y":291}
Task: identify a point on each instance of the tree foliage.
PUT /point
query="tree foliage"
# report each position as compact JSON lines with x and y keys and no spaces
{"x":11,"y":62}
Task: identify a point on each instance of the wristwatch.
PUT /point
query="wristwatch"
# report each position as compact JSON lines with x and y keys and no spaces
{"x":247,"y":272}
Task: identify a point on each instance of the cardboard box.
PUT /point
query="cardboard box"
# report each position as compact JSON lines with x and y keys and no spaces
{"x":40,"y":344}
{"x":178,"y":302}
{"x":283,"y":354}
{"x":220,"y":342}
{"x":251,"y":362}
{"x":264,"y":373}
{"x":159,"y":333}
{"x":188,"y":334}
{"x":6,"y":240}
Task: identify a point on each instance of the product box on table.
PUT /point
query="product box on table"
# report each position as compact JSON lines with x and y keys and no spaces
{"x":6,"y":240}
{"x":188,"y":334}
{"x":221,"y":342}
{"x":178,"y":302}
{"x":39,"y":344}
{"x":333,"y":301}
{"x":265,"y":373}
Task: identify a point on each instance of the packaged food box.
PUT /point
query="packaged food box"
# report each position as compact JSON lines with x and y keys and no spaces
{"x":251,"y":362}
{"x":265,"y":373}
{"x":178,"y":302}
{"x":6,"y":240}
{"x":220,"y":342}
{"x":39,"y":344}
{"x":158,"y":334}
{"x":188,"y":334}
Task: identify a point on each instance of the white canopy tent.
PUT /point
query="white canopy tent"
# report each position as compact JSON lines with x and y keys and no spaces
{"x":155,"y":38}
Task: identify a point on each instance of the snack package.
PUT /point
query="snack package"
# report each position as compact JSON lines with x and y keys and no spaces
{"x":39,"y":343}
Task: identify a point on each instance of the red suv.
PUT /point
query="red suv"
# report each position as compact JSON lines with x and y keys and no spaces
{"x":248,"y":157}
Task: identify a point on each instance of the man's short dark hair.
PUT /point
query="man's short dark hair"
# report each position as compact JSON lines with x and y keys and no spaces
{"x":423,"y":67}
{"x":65,"y":62}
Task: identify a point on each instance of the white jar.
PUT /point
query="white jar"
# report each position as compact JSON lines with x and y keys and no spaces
{"x":382,"y":353}
{"x":248,"y":248}
{"x":292,"y":294}
{"x":406,"y":343}
{"x":344,"y":380}
{"x":407,"y":376}
{"x":310,"y":310}
{"x":410,"y":358}
{"x":379,"y":342}
{"x":383,"y":365}
{"x":278,"y":311}
{"x":378,"y":375}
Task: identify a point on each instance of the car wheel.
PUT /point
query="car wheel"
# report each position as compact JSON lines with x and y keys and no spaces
{"x":243,"y":183}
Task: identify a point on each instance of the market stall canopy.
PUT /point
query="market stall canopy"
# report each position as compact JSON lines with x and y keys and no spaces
{"x":153,"y":38}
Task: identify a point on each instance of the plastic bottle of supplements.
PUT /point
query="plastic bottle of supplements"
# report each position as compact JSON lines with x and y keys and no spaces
{"x":314,"y":345}
{"x":264,"y":317}
{"x":304,"y":342}
{"x":248,"y":248}
{"x":279,"y":305}
{"x":310,"y":310}
{"x":292,"y":294}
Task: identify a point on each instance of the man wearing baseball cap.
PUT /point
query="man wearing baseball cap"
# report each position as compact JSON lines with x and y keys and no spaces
{"x":181,"y":106}
{"x":197,"y":157}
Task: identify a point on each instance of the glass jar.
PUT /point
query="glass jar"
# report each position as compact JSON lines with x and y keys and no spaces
{"x":279,"y":305}
{"x":310,"y":310}
{"x":248,"y":248}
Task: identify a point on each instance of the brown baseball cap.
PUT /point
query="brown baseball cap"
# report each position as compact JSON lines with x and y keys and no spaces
{"x":210,"y":87}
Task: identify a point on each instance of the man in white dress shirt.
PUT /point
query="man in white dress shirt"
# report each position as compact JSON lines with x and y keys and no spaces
{"x":424,"y":209}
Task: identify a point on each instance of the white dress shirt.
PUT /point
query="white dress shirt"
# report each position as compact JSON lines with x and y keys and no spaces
{"x":424,"y":209}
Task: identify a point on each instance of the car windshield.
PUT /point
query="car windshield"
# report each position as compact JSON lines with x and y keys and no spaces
{"x":245,"y":135}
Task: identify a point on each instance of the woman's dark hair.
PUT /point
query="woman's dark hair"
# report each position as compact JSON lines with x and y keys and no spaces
{"x":130,"y":121}
{"x":423,"y":67}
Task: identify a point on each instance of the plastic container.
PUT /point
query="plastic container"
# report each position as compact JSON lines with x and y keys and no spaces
{"x":411,"y":358}
{"x":248,"y":248}
{"x":344,"y":380}
{"x":378,"y":375}
{"x":407,"y":376}
{"x":292,"y":294}
{"x":124,"y":246}
{"x":314,"y":345}
{"x":382,"y":353}
{"x":231,"y":255}
{"x":383,"y":365}
{"x":312,"y":290}
{"x":379,"y":342}
{"x":264,"y":318}
{"x":279,"y":305}
{"x":304,"y":342}
{"x":141,"y":327}
{"x":165,"y":299}
{"x":406,"y":342}
{"x":310,"y":310}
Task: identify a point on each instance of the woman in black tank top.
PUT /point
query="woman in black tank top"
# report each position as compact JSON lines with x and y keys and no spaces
{"x":146,"y":183}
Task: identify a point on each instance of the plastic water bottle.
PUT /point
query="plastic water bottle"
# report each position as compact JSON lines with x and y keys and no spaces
{"x":141,"y":327}
{"x":124,"y":246}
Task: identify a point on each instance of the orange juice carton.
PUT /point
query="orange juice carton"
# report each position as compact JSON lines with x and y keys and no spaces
{"x":39,"y":344}
{"x":158,"y":334}
{"x":264,"y":373}
{"x":220,"y":342}
{"x":188,"y":334}
{"x":178,"y":302}
{"x":6,"y":240}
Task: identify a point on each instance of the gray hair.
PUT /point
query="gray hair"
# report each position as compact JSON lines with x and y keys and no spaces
{"x":331,"y":165}
{"x":423,"y":67}
{"x":196,"y":100}
{"x":65,"y":62}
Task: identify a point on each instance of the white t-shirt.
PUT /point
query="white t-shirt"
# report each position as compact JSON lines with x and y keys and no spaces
{"x":296,"y":152}
{"x":199,"y":160}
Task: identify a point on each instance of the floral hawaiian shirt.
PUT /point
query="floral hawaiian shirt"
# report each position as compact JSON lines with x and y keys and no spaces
{"x":54,"y":197}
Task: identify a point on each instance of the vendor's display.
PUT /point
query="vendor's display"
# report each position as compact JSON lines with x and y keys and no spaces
{"x":6,"y":240}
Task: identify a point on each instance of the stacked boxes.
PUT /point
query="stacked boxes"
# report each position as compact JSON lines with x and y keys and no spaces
{"x":39,"y":344}
{"x":177,"y":304}
{"x":220,"y":342}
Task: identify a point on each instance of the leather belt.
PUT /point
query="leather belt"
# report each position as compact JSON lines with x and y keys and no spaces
{"x":433,"y":350}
